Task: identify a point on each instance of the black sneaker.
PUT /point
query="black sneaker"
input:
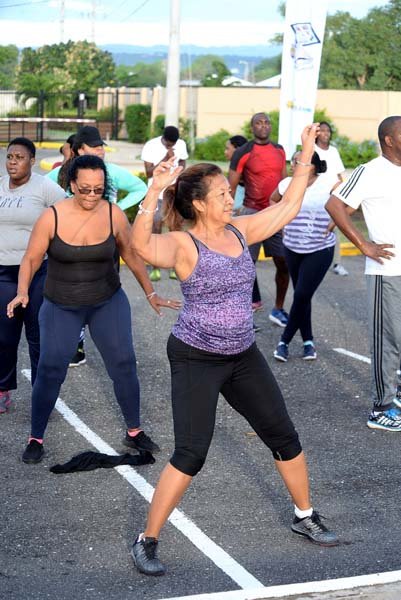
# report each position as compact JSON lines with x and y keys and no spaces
{"x":33,"y":452}
{"x":141,"y":442}
{"x":312,"y":528}
{"x":143,"y":554}
{"x":79,"y":356}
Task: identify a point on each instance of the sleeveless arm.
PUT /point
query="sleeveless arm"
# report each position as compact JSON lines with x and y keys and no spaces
{"x":33,"y":258}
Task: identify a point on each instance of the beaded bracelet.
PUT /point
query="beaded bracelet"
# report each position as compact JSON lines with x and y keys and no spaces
{"x":149,"y":296}
{"x":145,"y":211}
{"x":302,"y":164}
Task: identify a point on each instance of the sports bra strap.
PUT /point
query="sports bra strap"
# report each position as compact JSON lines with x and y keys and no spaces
{"x":237,"y":233}
{"x":111,"y":217}
{"x":195,"y":241}
{"x":55,"y":220}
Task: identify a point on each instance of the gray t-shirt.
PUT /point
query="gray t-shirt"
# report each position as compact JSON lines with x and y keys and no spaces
{"x":19,"y":210}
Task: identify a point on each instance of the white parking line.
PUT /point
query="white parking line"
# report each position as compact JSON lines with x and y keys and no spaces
{"x":360,"y":357}
{"x":252,"y":588}
{"x":295,"y":589}
{"x":221,"y":559}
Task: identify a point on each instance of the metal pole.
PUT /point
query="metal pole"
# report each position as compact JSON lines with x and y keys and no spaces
{"x":41,"y":113}
{"x":115,"y":115}
{"x":173,"y":67}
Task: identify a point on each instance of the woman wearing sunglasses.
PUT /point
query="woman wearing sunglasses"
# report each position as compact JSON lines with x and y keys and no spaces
{"x":81,"y":236}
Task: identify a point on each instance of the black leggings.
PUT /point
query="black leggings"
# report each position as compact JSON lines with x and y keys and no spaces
{"x":307,"y":272}
{"x":248,"y":385}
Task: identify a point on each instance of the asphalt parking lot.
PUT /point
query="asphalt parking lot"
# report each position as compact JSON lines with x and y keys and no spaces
{"x":68,"y":536}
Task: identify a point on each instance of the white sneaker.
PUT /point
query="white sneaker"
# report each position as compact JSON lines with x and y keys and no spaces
{"x":340,"y":270}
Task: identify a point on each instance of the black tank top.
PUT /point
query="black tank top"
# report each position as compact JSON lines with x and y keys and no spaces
{"x":81,"y":275}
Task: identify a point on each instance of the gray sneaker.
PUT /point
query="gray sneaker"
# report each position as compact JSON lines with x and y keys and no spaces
{"x":143,"y":554}
{"x":312,"y":528}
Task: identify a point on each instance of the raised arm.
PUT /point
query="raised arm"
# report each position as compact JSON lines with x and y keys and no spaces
{"x":265,"y":223}
{"x":340,"y":214}
{"x":32,"y":259}
{"x":157,"y":249}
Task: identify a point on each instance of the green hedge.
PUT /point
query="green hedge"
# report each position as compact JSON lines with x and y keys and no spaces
{"x":137,"y":120}
{"x":158,"y":125}
{"x":354,"y":154}
{"x":212,"y":147}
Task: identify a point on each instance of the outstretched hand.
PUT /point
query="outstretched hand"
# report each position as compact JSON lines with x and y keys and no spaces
{"x":19,"y":300}
{"x":157,"y":302}
{"x":165,"y":174}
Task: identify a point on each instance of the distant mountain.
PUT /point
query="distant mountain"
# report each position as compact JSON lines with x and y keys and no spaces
{"x":130,"y":55}
{"x":259,"y":50}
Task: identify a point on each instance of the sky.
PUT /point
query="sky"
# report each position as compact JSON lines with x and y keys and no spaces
{"x":146,"y":22}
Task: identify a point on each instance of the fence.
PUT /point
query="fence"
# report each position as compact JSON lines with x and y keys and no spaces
{"x":355,"y":113}
{"x":47,"y":116}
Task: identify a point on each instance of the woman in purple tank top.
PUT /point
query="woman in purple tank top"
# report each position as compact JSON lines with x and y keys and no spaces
{"x":212,"y":348}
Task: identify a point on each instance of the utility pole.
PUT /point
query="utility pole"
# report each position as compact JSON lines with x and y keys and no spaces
{"x":62,"y":16}
{"x":173,"y":66}
{"x":246,"y":69}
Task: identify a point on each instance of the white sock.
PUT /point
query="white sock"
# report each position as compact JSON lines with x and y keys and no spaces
{"x":302,"y":514}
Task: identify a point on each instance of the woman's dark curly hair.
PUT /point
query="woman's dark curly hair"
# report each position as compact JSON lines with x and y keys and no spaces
{"x":88,"y":161}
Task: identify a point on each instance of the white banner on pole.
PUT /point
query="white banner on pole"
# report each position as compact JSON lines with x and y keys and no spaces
{"x":302,"y":50}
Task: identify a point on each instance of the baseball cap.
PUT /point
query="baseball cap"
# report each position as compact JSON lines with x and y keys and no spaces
{"x":90,"y":136}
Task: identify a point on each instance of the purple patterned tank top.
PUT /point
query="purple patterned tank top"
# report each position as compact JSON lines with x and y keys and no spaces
{"x":217,"y":311}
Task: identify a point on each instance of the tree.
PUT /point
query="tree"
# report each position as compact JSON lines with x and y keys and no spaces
{"x":70,"y":67}
{"x":8,"y":66}
{"x":142,"y":74}
{"x":218,"y":71}
{"x":88,"y":67}
{"x":202,"y":66}
{"x":363,"y":53}
{"x":346,"y":56}
{"x":268,"y":67}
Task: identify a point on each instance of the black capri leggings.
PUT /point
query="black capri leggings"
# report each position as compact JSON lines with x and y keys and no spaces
{"x":248,"y":385}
